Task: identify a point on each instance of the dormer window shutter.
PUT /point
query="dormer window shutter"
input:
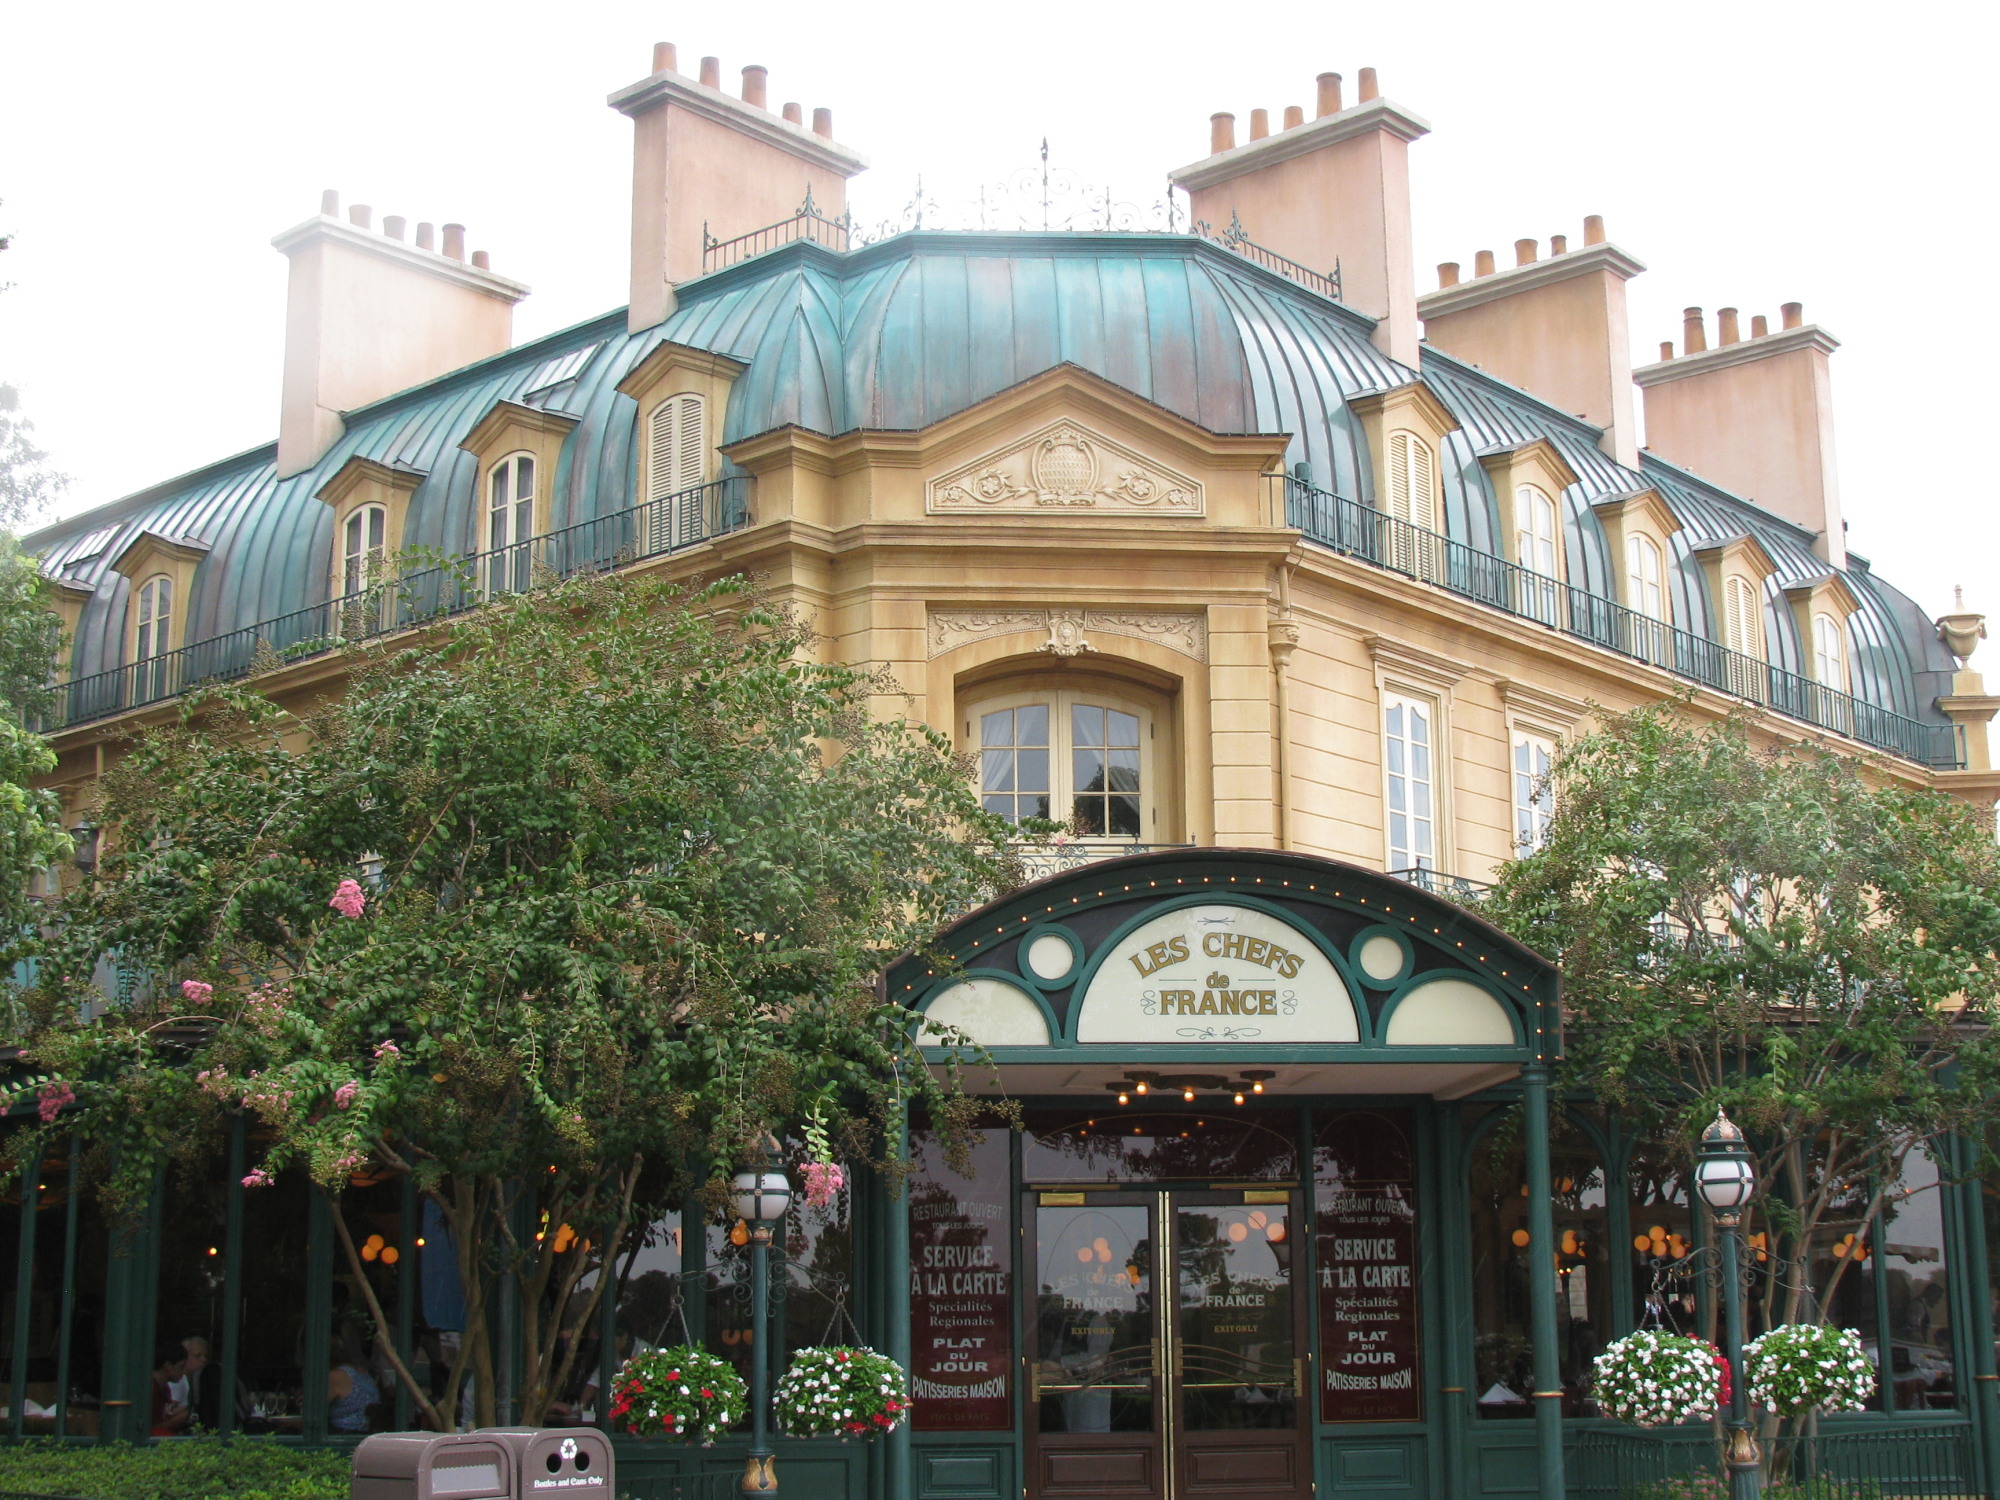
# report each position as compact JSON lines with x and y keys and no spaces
{"x":1739,"y":616}
{"x":675,"y":449}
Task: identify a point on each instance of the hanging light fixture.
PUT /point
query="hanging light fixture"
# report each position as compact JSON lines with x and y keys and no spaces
{"x":1723,"y":1172}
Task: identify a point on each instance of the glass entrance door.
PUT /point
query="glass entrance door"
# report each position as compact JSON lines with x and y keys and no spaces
{"x":1166,"y":1360}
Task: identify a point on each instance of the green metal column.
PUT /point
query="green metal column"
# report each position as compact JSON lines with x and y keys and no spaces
{"x":1985,"y":1402}
{"x":70,"y":1193}
{"x":230,"y":1360}
{"x":1618,"y":1219}
{"x":117,"y":1386}
{"x":24,"y":1293}
{"x":1542,"y":1282}
{"x":896,"y":1246}
{"x":406,"y":1297}
{"x":1455,"y":1313}
{"x":319,"y":1314}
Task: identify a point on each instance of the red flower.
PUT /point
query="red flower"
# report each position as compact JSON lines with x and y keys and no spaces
{"x":708,"y":1393}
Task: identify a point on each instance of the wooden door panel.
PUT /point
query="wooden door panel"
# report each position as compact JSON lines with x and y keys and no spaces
{"x":1261,"y":1468}
{"x":1101,"y":1471}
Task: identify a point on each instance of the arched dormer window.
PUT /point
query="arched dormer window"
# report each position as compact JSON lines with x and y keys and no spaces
{"x":1742,"y":629}
{"x":1645,"y":588}
{"x":363,"y":546}
{"x":676,"y":453}
{"x":1085,"y":754}
{"x":1829,"y":649}
{"x":1535,"y":531}
{"x":154,"y":637}
{"x":510,"y":523}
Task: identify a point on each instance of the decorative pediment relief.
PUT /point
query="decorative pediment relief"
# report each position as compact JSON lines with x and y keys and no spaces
{"x":1064,"y":466}
{"x":1069,"y":630}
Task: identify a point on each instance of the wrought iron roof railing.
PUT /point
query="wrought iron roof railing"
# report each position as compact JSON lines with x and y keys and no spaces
{"x":597,"y":545}
{"x":1459,"y":888}
{"x":1361,"y":531}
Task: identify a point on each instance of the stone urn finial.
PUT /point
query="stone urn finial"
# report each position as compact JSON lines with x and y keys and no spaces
{"x":1961,"y":631}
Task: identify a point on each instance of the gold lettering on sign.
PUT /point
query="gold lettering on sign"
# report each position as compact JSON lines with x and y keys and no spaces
{"x":1252,"y":950}
{"x":1159,"y":955}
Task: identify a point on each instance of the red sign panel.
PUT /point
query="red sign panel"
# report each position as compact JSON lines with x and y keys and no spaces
{"x":1365,"y":1226}
{"x":961,"y":1289}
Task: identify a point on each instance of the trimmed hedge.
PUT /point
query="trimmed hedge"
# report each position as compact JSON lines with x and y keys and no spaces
{"x":179,"y":1469}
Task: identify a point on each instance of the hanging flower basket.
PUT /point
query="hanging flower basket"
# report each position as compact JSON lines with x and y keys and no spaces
{"x":1658,"y":1379}
{"x":1802,"y":1367}
{"x":842,"y":1392}
{"x":681,"y":1393}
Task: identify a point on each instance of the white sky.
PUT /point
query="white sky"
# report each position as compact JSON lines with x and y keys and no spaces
{"x":1750,"y":153}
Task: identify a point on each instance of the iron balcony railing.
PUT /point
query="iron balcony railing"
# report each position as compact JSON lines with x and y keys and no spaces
{"x":1043,"y":858}
{"x":1373,"y":536}
{"x":1452,"y":887}
{"x":652,"y":529}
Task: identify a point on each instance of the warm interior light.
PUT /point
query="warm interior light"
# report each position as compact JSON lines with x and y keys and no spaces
{"x":1139,"y":1087}
{"x":1239,"y":1096}
{"x":211,"y":1249}
{"x":1188,"y":1095}
{"x":390,"y":1255}
{"x":1257,"y":1087}
{"x":1124,"y":1098}
{"x":420,"y":1242}
{"x":1520,"y":1237}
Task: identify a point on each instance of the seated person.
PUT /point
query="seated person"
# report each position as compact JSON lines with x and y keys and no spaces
{"x":350,"y":1391}
{"x":168,"y":1416}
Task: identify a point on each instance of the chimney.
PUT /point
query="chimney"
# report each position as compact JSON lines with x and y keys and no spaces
{"x":367,"y":315}
{"x":1554,"y":326}
{"x":705,"y":160}
{"x":1332,"y":189}
{"x":1756,"y":417}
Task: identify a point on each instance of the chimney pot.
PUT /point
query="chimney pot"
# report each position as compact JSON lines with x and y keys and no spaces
{"x":754,"y":79}
{"x":1221,"y":133}
{"x":1329,"y":94}
{"x":1369,"y":90}
{"x":1725,"y":327}
{"x":1794,"y":314}
{"x":664,"y":60}
{"x":711,"y":72}
{"x":392,"y":225}
{"x":482,"y":260}
{"x":361,"y":216}
{"x":1558,"y":244}
{"x":1666,"y":350}
{"x":1260,"y":124}
{"x":1447,"y":273}
{"x":1694,"y":334}
{"x":1294,"y":115}
{"x":329,"y":203}
{"x":1482,"y":263}
{"x":454,"y":241}
{"x":795,"y":114}
{"x":823,"y":123}
{"x":426,"y":236}
{"x":1759,"y":326}
{"x":1593,"y":229}
{"x":1524,"y":252}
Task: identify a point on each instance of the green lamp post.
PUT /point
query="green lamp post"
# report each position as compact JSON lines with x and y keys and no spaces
{"x":1725,"y":1177}
{"x":760,"y":1200}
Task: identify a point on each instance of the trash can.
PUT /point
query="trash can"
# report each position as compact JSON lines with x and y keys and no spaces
{"x":433,"y":1466}
{"x":572,"y":1463}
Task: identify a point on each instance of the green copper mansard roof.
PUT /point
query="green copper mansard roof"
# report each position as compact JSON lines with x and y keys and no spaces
{"x":908,"y":331}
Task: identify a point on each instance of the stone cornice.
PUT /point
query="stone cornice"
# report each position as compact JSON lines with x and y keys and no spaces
{"x":1376,"y":114}
{"x":152,"y":544}
{"x":358,"y":471}
{"x":1786,"y":340}
{"x":507,"y":414}
{"x":668,"y":355}
{"x":457,"y":272}
{"x":1574,"y":263}
{"x":668,"y":87}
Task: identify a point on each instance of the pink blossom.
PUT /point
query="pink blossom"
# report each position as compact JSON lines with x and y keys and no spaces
{"x":54,"y":1097}
{"x":257,"y":1178}
{"x":824,"y":1180}
{"x":195,"y":992}
{"x":384,"y":1051}
{"x":348,"y":899}
{"x":344,"y":1095}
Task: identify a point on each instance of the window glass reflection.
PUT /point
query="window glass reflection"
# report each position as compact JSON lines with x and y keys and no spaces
{"x":1916,"y":1281}
{"x":1140,"y":1145}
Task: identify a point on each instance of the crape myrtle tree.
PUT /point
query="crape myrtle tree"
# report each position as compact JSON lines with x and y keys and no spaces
{"x":562,"y":909}
{"x":1778,"y":934}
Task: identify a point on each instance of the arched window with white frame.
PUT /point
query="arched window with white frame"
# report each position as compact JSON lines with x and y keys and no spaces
{"x":153,"y":638}
{"x":510,"y":523}
{"x":1535,"y":551}
{"x":1829,"y":648}
{"x":1534,"y":794}
{"x":363,"y":543}
{"x":676,"y":463}
{"x":1081,"y":755}
{"x":1645,"y":586}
